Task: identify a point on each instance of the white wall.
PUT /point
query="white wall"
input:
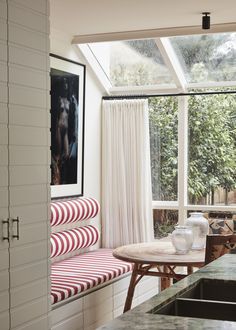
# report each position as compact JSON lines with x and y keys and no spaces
{"x":61,"y":45}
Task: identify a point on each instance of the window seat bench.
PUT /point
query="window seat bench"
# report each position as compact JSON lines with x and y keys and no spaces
{"x":88,"y":288}
{"x":80,"y":273}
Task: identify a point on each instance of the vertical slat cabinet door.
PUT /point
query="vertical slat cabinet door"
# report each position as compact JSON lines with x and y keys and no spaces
{"x":29,"y":163}
{"x":4,"y":232}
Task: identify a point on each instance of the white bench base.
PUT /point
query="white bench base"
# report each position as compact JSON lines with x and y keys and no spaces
{"x":98,"y":307}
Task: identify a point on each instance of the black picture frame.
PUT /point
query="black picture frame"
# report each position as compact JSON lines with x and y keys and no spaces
{"x":67,"y":79}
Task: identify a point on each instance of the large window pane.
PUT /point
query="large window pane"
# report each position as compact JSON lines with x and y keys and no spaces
{"x":212,"y":150}
{"x":163,"y":114}
{"x":207,"y":58}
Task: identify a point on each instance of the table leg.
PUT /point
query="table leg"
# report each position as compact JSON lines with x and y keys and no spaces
{"x":130,"y":292}
{"x":165,"y":281}
{"x":190,"y":270}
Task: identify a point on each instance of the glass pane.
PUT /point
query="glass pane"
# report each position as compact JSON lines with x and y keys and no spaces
{"x":164,"y":222}
{"x":163,"y":117}
{"x":132,"y":63}
{"x":210,"y":57}
{"x":212,"y":150}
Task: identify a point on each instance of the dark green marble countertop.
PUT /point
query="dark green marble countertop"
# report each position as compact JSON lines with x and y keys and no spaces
{"x":138,"y":318}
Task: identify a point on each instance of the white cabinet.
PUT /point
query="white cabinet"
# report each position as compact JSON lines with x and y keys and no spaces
{"x":4,"y":211}
{"x":24,"y":164}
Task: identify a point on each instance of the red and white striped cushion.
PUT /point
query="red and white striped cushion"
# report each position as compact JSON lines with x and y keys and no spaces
{"x":70,"y":240}
{"x":80,"y":273}
{"x":73,"y":210}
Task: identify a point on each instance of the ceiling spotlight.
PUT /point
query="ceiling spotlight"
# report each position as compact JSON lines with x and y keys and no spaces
{"x":206,"y":21}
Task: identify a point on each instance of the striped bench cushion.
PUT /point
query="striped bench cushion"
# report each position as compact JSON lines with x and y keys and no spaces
{"x":70,"y":240}
{"x":73,"y":210}
{"x":80,"y":273}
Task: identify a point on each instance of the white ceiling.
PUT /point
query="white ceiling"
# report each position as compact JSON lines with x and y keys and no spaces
{"x":82,"y":17}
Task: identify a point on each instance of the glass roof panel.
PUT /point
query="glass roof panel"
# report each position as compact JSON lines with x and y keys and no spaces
{"x":132,"y":63}
{"x":207,"y":57}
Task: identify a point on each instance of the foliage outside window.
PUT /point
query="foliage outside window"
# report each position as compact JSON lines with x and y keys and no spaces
{"x":163,"y":116}
{"x":212,"y":148}
{"x":212,"y":145}
{"x":211,"y":153}
{"x":164,"y":222}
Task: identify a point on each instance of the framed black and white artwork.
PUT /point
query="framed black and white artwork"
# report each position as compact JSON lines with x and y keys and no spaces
{"x":67,"y":126}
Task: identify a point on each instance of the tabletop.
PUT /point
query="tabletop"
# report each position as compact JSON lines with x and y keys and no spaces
{"x":160,"y":252}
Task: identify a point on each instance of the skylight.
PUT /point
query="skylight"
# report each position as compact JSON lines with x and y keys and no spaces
{"x":132,"y":63}
{"x":207,"y":60}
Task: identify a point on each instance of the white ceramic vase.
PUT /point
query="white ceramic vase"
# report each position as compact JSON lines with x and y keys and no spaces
{"x":200,"y":228}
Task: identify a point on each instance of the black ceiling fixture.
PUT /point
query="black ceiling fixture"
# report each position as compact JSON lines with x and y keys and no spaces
{"x":206,"y":21}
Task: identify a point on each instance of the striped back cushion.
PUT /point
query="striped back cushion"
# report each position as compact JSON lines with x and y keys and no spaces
{"x":70,"y":240}
{"x":73,"y":210}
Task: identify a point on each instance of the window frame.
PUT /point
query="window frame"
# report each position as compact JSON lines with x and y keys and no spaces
{"x":180,"y":86}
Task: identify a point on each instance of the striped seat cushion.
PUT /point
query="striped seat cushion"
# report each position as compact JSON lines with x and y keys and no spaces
{"x":80,"y":273}
{"x":70,"y":240}
{"x":73,"y":210}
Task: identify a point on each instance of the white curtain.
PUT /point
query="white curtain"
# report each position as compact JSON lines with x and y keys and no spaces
{"x":126,"y":174}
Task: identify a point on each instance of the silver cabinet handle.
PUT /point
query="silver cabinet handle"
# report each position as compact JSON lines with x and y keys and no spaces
{"x":17,"y":235}
{"x":6,"y":222}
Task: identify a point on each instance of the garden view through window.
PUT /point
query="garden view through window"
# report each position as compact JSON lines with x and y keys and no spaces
{"x":211,"y":148}
{"x":163,"y":117}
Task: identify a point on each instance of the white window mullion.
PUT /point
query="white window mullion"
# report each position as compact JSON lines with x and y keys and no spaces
{"x":96,"y":67}
{"x":182,"y":156}
{"x":165,"y":205}
{"x":172,"y":62}
{"x":213,"y":208}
